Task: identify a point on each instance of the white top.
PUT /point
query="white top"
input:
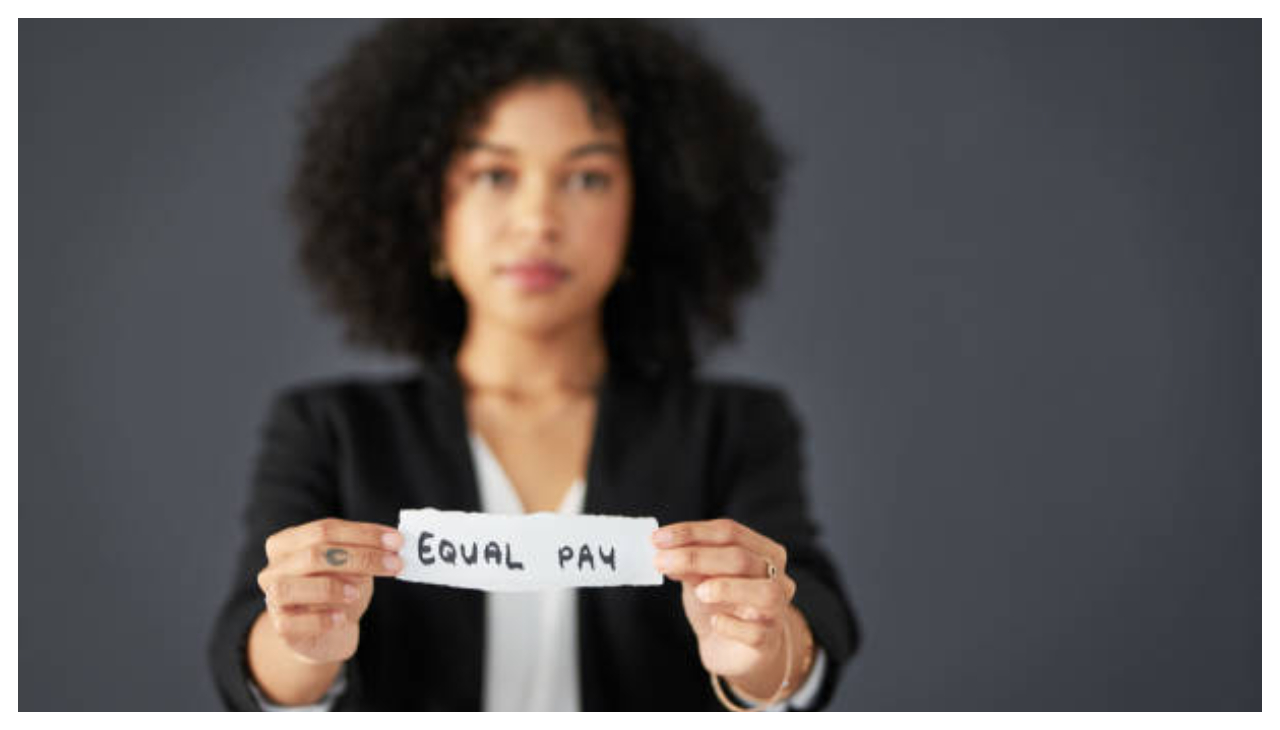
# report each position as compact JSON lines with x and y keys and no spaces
{"x":531,"y":655}
{"x":531,"y":652}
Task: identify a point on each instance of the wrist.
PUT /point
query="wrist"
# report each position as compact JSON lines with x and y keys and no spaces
{"x":763,"y":682}
{"x":786,"y":672}
{"x":283,"y":676}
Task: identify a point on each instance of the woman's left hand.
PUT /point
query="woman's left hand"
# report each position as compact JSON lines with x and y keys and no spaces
{"x":735,"y":607}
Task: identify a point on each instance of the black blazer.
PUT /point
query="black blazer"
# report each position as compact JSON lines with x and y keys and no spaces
{"x":677,"y":449}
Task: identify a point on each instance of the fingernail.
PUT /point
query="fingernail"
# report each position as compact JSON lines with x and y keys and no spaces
{"x":392,"y":562}
{"x":350,"y":592}
{"x":703,"y":592}
{"x":662,"y":538}
{"x":392,"y":540}
{"x":339,"y":618}
{"x":662,"y":561}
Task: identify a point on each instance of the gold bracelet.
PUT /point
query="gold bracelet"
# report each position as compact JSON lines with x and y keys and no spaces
{"x":782,"y":688}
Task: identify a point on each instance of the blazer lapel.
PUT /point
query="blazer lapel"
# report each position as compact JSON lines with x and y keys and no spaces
{"x":451,"y":485}
{"x":449,"y":450}
{"x":623,"y":416}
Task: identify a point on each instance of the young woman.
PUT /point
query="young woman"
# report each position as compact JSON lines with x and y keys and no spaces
{"x":555,"y":218}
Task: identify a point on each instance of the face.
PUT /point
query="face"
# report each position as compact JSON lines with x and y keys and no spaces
{"x":537,"y":211}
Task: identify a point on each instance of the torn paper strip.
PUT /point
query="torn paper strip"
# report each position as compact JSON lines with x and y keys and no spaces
{"x":526,"y":552}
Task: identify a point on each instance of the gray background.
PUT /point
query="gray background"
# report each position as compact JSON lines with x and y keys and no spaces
{"x":1016,"y":300}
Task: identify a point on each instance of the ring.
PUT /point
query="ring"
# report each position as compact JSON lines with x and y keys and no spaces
{"x":769,"y":569}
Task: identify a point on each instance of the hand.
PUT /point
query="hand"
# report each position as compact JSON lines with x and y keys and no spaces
{"x":319,"y":581}
{"x":735,"y":608}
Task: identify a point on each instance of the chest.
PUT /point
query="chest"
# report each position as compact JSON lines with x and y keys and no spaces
{"x":542,"y":462}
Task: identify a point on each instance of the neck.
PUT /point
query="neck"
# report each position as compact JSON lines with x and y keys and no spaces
{"x":495,"y":358}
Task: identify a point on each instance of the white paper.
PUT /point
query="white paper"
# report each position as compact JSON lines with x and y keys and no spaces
{"x":494,"y":552}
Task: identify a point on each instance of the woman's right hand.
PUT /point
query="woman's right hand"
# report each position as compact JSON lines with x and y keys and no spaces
{"x":319,"y":580}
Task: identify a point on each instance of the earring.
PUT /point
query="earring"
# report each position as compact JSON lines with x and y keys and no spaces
{"x":438,"y":269}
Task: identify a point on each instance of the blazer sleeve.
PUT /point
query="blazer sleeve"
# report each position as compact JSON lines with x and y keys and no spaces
{"x":294,"y":481}
{"x":765,"y":491}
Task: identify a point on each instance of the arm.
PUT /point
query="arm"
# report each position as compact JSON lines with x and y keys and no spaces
{"x":805,"y":697}
{"x":324,"y":704}
{"x":292,"y":651}
{"x":282,"y":676}
{"x":737,"y":612}
{"x":767,"y":492}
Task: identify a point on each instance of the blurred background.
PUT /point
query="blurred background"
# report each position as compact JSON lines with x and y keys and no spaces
{"x":1016,"y":299}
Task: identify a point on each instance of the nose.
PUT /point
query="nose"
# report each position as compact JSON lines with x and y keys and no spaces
{"x":536,"y":218}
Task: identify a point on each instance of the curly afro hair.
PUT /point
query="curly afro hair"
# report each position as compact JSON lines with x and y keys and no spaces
{"x":380,"y":128}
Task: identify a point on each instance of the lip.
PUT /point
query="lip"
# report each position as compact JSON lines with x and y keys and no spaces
{"x":534,"y":275}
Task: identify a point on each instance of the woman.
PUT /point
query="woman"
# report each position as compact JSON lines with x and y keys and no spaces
{"x":546,"y":215}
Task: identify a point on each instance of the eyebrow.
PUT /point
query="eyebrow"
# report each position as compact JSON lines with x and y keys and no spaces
{"x":607,"y":148}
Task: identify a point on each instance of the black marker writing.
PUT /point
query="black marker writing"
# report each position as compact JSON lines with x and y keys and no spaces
{"x":586,"y":558}
{"x":424,"y":548}
{"x":475,"y":553}
{"x":511,"y":564}
{"x":448,"y":551}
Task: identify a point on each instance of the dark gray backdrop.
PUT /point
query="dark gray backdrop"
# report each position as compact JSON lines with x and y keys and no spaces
{"x":1016,"y":299}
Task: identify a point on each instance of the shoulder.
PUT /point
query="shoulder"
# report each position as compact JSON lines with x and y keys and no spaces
{"x":735,"y":393}
{"x":344,"y":398}
{"x":352,"y":390}
{"x":724,"y":427}
{"x":733,"y":402}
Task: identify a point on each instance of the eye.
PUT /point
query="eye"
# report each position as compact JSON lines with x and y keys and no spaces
{"x":494,"y":177}
{"x":590,"y":180}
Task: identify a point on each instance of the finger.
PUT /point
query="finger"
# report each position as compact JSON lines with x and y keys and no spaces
{"x":343,"y":559}
{"x":319,"y":608}
{"x":719,"y":532}
{"x":292,"y":590}
{"x":751,"y":633}
{"x":689,"y":562}
{"x":752,"y":599}
{"x":334,"y":531}
{"x":302,"y":624}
